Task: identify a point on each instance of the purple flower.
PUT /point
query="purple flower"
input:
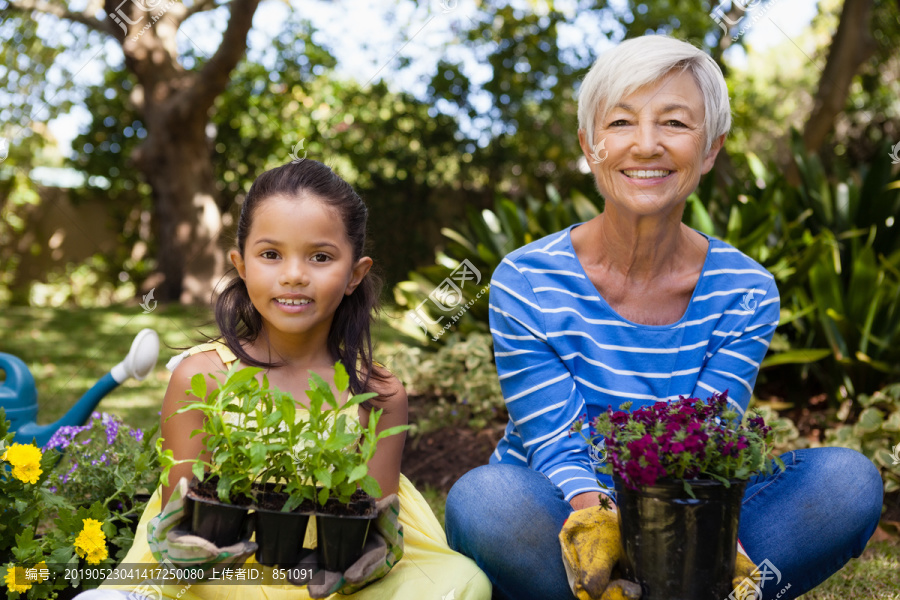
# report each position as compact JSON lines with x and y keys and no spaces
{"x":137,"y":434}
{"x":112,"y":430}
{"x":64,"y":436}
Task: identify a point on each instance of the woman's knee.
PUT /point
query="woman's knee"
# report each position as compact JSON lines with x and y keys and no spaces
{"x":861,"y":491}
{"x":852,"y":471}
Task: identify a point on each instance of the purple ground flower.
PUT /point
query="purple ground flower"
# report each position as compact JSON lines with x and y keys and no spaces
{"x":112,"y":430}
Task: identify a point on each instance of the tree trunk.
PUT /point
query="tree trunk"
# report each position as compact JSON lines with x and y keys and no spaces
{"x":174,"y":102}
{"x":176,"y":161}
{"x":851,"y":46}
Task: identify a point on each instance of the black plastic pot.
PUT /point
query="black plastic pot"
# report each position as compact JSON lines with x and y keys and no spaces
{"x":279,"y":536}
{"x":340,"y":540}
{"x":678,"y":547}
{"x":222,"y":524}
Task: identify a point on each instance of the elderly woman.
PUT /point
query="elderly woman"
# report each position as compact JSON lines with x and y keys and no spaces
{"x":634,"y":305}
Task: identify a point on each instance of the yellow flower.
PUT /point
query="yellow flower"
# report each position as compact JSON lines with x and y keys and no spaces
{"x":26,"y":462}
{"x":91,"y":542}
{"x":17,"y":574}
{"x":39,"y":568}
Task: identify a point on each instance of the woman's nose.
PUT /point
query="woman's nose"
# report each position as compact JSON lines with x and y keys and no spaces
{"x":646,"y":139}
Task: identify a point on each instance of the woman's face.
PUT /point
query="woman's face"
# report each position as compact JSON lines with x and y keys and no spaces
{"x":649,"y":148}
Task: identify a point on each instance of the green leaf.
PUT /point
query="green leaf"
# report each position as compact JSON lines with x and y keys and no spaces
{"x":323,"y":477}
{"x":393,"y":431}
{"x":358,"y":473}
{"x":198,"y":385}
{"x":370,"y":486}
{"x":341,"y":378}
{"x":800,"y":356}
{"x":869,"y":420}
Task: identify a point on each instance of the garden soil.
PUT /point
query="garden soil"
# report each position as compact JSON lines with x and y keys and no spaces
{"x":439,"y":458}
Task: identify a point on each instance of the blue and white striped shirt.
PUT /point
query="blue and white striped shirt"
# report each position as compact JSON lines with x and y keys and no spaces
{"x":562,"y":351}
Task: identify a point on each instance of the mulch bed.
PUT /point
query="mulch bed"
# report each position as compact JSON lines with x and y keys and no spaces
{"x":439,"y":458}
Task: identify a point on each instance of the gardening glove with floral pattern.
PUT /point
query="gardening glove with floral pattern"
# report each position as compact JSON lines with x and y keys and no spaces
{"x":383,"y":549}
{"x":172,"y":543}
{"x":591,"y":548}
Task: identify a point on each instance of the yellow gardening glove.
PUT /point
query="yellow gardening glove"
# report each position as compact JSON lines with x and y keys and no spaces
{"x":746,"y":581}
{"x":591,"y":548}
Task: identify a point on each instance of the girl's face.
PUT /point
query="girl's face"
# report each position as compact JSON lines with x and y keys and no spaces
{"x":298,"y":264}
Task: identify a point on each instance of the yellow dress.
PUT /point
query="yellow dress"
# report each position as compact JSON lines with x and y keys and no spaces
{"x":429,"y":569}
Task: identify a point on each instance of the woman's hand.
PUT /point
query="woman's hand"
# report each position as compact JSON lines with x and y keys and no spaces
{"x":591,"y":548}
{"x":589,"y":499}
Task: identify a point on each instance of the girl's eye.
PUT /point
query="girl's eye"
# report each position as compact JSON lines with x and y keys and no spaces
{"x":269,"y":254}
{"x":320,"y":257}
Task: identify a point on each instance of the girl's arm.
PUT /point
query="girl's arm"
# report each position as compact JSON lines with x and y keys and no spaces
{"x":385,"y":465}
{"x":176,"y":431}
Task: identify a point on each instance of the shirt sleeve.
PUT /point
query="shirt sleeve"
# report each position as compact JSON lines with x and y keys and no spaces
{"x":735,"y":365}
{"x":538,"y":389}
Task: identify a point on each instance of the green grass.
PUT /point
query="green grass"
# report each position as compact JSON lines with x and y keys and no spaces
{"x":874,"y":575}
{"x":68,"y":350}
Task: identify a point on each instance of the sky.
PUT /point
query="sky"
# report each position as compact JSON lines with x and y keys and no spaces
{"x":366,"y":38}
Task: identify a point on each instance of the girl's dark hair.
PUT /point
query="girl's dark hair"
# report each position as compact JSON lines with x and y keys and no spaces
{"x":349,"y":339}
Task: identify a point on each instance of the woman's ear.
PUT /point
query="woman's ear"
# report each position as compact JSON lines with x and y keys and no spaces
{"x":360,"y":269}
{"x":710,"y":159}
{"x":238,"y":261}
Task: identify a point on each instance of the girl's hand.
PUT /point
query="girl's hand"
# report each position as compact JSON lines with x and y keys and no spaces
{"x":173,"y":545}
{"x":383,"y":549}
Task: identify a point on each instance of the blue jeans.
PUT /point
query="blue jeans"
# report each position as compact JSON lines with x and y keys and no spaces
{"x":807,"y":520}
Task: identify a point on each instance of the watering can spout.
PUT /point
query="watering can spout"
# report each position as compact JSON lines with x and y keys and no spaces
{"x":138,"y":364}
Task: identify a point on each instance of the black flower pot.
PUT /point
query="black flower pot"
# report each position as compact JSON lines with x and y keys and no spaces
{"x":279,"y":536}
{"x":678,"y":547}
{"x":340,"y":540}
{"x":220,"y":523}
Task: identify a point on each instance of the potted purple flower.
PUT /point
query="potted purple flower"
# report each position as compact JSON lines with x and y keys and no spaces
{"x":679,"y":470}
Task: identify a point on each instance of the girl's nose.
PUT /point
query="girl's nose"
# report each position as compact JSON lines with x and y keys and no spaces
{"x":293,"y":273}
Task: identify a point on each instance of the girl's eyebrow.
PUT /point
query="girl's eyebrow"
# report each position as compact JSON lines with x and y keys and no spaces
{"x":272,"y":242}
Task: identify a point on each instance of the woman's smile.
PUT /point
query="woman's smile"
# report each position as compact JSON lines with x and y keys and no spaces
{"x":647,"y":177}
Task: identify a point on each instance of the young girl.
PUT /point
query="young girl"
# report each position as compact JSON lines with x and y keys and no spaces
{"x":303,"y":298}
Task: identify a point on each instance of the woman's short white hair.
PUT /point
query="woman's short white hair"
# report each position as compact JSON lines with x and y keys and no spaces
{"x":639,"y":61}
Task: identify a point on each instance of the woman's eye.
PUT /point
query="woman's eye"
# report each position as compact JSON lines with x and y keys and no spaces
{"x":618,"y":121}
{"x":269,"y":254}
{"x":677,"y":123}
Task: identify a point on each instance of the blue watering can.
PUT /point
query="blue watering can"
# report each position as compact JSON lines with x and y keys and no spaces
{"x":18,"y":394}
